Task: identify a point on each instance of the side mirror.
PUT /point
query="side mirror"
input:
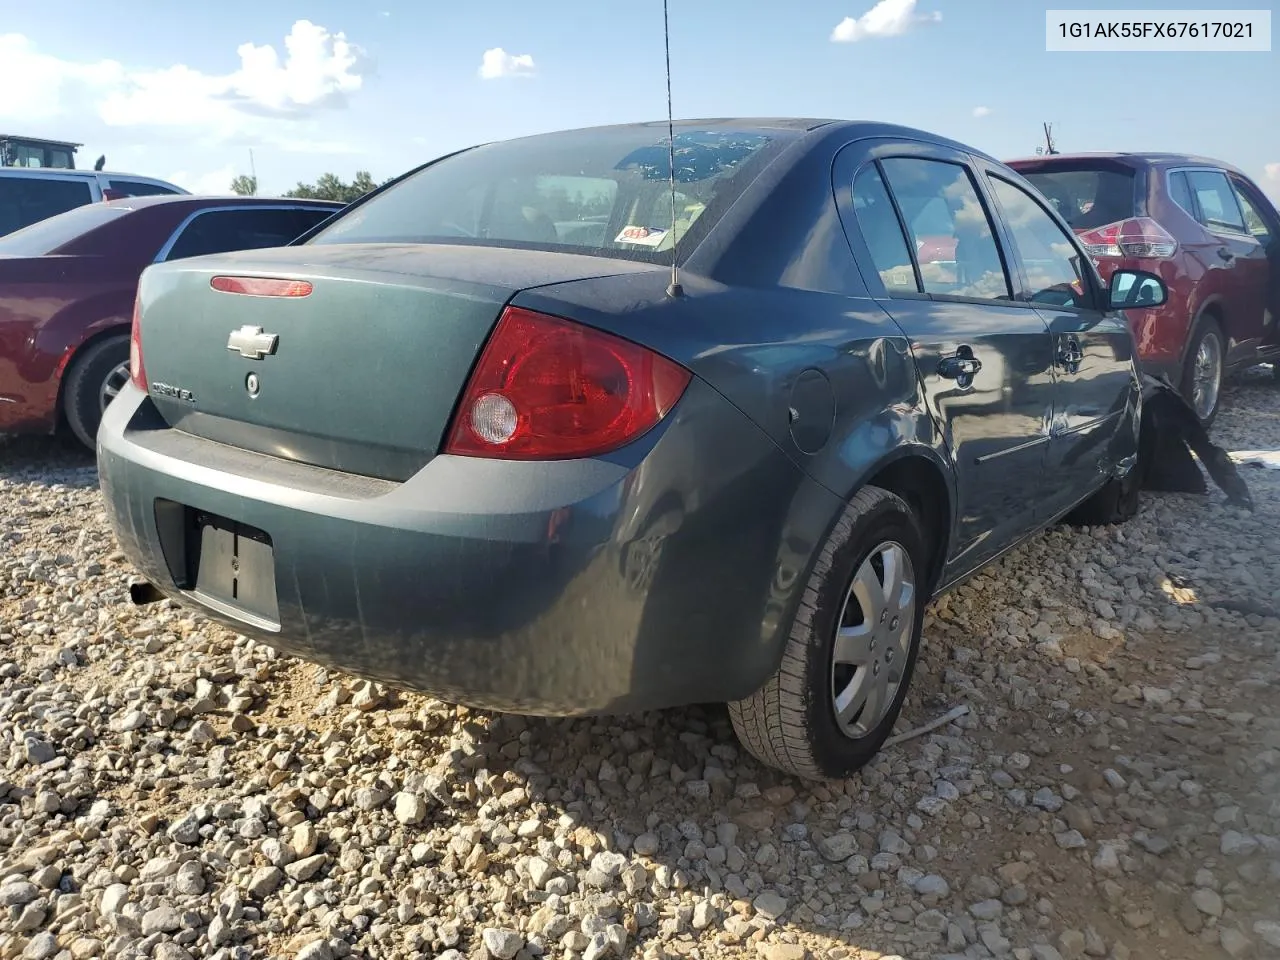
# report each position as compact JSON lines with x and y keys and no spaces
{"x":1136,"y":289}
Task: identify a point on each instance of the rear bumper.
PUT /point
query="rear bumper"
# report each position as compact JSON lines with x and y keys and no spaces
{"x":595,"y":586}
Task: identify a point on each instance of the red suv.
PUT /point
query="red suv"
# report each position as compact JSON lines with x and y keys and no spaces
{"x":1202,"y":226}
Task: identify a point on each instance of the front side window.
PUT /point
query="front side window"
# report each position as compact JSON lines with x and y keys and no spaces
{"x":1049,"y":258}
{"x":883,"y":233}
{"x":1086,"y":196}
{"x":1217,"y":201}
{"x":1253,"y":221}
{"x":604,"y":192}
{"x":952,"y":234}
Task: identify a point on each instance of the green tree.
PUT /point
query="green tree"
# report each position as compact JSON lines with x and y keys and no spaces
{"x":329,"y":187}
{"x":244,"y":186}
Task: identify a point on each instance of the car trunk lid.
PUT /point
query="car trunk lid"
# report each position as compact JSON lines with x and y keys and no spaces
{"x":361,"y":372}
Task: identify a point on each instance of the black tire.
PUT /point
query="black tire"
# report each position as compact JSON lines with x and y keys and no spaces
{"x":1206,"y":327}
{"x":1116,"y":502}
{"x":790,"y":723}
{"x":82,"y":391}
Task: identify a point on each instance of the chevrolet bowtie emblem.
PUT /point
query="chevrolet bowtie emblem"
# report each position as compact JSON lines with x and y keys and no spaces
{"x":252,"y":343}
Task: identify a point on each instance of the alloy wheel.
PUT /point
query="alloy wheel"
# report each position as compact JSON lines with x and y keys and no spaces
{"x":112,"y":384}
{"x":1206,"y":375}
{"x":873,"y":640}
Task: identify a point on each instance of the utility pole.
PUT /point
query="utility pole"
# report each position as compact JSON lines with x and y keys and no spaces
{"x":253,"y":172}
{"x":1049,"y":147}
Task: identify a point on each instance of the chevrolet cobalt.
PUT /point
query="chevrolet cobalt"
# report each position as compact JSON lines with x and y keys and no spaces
{"x":559,"y":426}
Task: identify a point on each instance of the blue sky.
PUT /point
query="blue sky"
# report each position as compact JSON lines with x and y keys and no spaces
{"x":389,"y":85}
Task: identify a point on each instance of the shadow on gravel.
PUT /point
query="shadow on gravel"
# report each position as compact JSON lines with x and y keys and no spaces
{"x":60,"y":459}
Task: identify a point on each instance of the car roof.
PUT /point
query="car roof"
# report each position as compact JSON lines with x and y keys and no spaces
{"x":787,"y":128}
{"x":1132,"y":158}
{"x":64,"y":172}
{"x":138,"y":203}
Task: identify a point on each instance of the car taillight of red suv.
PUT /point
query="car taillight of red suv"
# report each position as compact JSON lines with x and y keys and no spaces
{"x":1202,"y":226}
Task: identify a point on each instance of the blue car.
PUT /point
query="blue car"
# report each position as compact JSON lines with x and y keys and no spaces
{"x":557,"y":426}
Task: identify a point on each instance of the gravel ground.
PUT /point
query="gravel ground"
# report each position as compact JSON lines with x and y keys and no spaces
{"x":170,"y":790}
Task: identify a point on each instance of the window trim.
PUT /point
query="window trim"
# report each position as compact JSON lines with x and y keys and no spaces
{"x":167,"y":247}
{"x":1198,"y":213}
{"x":995,"y":222}
{"x":919,"y":292}
{"x":1243,"y":186}
{"x":1095,"y":294}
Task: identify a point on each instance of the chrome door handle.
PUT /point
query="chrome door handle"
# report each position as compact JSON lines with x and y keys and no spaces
{"x":1070,"y":354}
{"x":962,"y":366}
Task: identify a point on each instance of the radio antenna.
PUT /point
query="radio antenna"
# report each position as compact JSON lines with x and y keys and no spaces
{"x":674,"y":289}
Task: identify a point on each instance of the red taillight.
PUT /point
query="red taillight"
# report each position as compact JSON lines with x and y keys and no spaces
{"x":550,"y":389}
{"x":1135,"y":237}
{"x":262,"y":286}
{"x":137,"y":371}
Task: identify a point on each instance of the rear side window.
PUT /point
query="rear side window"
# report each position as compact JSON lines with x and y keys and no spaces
{"x":1087,"y":198}
{"x":136,"y":188}
{"x":1180,"y":192}
{"x":952,"y":234}
{"x":221,"y":231}
{"x":882,"y":231}
{"x":27,"y":200}
{"x":1216,"y":200}
{"x":1049,"y":258}
{"x":46,"y":236}
{"x":604,"y":192}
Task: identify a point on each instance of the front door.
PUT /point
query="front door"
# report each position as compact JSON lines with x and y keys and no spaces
{"x":985,"y":361}
{"x":1092,"y":345}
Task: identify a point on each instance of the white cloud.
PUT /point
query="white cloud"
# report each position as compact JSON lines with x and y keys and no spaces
{"x":265,"y":97}
{"x":498,"y":63}
{"x":1271,"y":180}
{"x":888,"y":18}
{"x":981,"y":112}
{"x":214,"y":183}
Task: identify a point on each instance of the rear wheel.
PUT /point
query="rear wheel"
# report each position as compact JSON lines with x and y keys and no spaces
{"x":1205,"y":367}
{"x":96,"y":376}
{"x":851,"y":649}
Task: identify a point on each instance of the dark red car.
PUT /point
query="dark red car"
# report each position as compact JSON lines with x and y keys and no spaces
{"x":67,"y":287}
{"x":1206,"y":229}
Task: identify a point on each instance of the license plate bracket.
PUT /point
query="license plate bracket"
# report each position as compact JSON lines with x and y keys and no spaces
{"x":234,"y":566}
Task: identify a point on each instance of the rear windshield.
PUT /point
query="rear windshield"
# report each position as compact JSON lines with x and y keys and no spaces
{"x":602,"y":192}
{"x":1087,"y":198}
{"x":48,"y":235}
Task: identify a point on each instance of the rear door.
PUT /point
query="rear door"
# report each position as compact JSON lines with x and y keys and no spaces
{"x":1092,"y":345}
{"x":985,"y":360}
{"x":27,"y":200}
{"x":1245,"y":289}
{"x":225,"y":229}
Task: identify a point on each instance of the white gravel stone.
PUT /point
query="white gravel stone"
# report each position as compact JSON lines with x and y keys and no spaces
{"x":161,"y":773}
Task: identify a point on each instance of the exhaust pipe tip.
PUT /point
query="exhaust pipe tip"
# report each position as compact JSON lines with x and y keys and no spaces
{"x":143,"y":592}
